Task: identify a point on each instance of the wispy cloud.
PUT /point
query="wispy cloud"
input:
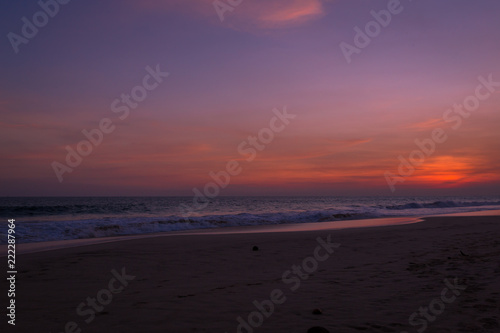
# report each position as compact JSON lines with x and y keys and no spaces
{"x":279,"y":13}
{"x":425,"y":125}
{"x":268,"y":14}
{"x":351,"y":142}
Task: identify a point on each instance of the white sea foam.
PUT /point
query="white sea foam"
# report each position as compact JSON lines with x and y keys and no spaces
{"x":111,"y":223}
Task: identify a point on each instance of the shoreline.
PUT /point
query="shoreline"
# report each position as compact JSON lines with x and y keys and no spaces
{"x":35,"y":247}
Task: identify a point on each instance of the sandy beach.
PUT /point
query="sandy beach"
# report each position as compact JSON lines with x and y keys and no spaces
{"x":438,"y":275}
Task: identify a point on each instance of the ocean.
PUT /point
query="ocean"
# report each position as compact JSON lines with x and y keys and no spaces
{"x":41,"y":219}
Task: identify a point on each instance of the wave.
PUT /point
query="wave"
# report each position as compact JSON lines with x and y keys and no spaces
{"x":48,"y":210}
{"x":104,"y":225}
{"x":95,"y":228}
{"x":442,"y":204}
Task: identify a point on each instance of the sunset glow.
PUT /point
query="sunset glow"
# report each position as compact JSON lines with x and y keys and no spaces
{"x":353,"y":120}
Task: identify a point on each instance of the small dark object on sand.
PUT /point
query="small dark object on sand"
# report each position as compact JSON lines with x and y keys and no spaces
{"x":317,"y":311}
{"x":255,"y":248}
{"x":317,"y":329}
{"x":465,"y":255}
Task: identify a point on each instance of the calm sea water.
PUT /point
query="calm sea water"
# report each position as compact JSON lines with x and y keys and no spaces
{"x":53,"y":218}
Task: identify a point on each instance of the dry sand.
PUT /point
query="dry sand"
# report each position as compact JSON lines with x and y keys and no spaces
{"x":373,"y":282}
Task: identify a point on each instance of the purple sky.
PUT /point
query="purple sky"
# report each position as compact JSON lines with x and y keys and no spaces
{"x":353,"y":120}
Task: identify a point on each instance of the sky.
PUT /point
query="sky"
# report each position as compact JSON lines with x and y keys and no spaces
{"x":356,"y":84}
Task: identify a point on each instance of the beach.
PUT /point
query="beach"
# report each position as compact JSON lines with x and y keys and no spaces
{"x":437,"y":275}
{"x":230,"y":166}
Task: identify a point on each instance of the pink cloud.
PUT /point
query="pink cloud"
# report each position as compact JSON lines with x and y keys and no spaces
{"x":281,"y":12}
{"x":427,"y":124}
{"x":248,"y":14}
